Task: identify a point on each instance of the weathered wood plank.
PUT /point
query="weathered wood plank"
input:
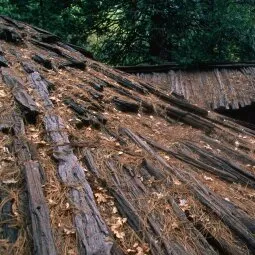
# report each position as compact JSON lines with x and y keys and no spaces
{"x":39,"y":212}
{"x":19,"y":92}
{"x":3,"y":61}
{"x":42,"y":235}
{"x":9,"y":34}
{"x":120,"y":79}
{"x":125,"y":106}
{"x":92,"y":232}
{"x":43,"y":60}
{"x":8,"y":231}
{"x":13,"y":22}
{"x":81,"y":64}
{"x":148,"y":229}
{"x":91,"y":229}
{"x":236,"y":219}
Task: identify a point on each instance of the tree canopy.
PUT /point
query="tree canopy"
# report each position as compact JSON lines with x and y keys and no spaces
{"x":127,"y":32}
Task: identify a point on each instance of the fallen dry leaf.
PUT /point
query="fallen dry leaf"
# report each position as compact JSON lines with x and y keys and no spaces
{"x":208,"y":178}
{"x":10,"y":181}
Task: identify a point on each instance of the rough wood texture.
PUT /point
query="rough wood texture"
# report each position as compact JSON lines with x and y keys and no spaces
{"x":42,"y":235}
{"x":10,"y":35}
{"x":43,"y":241}
{"x":203,"y":82}
{"x":208,"y":162}
{"x":72,"y":61}
{"x":168,"y":209}
{"x":236,"y":219}
{"x":150,"y":232}
{"x":8,"y":231}
{"x":125,"y":106}
{"x":3,"y":61}
{"x":39,"y":212}
{"x":91,"y":229}
{"x":43,"y":60}
{"x":19,"y":92}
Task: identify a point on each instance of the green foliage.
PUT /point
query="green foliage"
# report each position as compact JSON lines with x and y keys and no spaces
{"x":148,"y":31}
{"x":6,"y":7}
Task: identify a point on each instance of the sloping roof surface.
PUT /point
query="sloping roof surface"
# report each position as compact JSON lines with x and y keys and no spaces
{"x":95,"y":161}
{"x":222,"y":86}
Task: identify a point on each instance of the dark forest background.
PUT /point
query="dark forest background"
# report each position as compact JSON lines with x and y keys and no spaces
{"x":130,"y":32}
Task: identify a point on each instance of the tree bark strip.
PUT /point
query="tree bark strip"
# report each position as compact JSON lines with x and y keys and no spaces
{"x":236,"y":219}
{"x":93,"y":235}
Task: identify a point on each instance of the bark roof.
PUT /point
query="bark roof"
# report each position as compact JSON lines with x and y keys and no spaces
{"x":96,"y":161}
{"x":213,"y":87}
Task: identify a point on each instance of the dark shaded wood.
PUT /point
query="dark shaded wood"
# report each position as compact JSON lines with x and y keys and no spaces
{"x":39,"y":212}
{"x":120,"y":79}
{"x":189,"y":118}
{"x":169,"y":112}
{"x":157,"y":174}
{"x":238,"y":174}
{"x":81,"y":64}
{"x":236,"y":154}
{"x":87,"y":117}
{"x":198,"y":238}
{"x":28,"y":105}
{"x":221,"y":245}
{"x":43,"y":60}
{"x":9,"y":34}
{"x":73,"y":63}
{"x":3,"y":61}
{"x":47,"y":38}
{"x":96,"y":95}
{"x":230,"y":124}
{"x":42,"y":236}
{"x":89,"y":161}
{"x":176,"y":101}
{"x":208,"y":162}
{"x":125,"y":106}
{"x":28,"y":67}
{"x":47,"y":46}
{"x":13,"y":22}
{"x":8,"y":231}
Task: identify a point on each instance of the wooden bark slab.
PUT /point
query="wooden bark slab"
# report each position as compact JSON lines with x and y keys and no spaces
{"x":92,"y":232}
{"x":8,"y":232}
{"x":236,"y":219}
{"x":9,"y":34}
{"x":39,"y":212}
{"x":150,"y":231}
{"x":72,"y":61}
{"x":43,"y":60}
{"x":121,"y":80}
{"x":42,"y":236}
{"x":91,"y":229}
{"x":13,"y":22}
{"x":208,"y":162}
{"x":19,"y":92}
{"x":3,"y":61}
